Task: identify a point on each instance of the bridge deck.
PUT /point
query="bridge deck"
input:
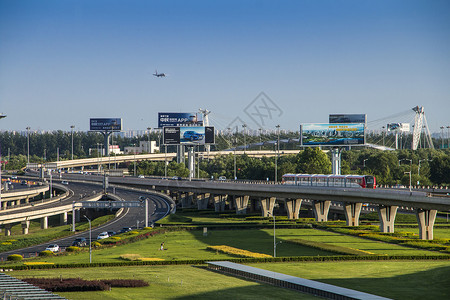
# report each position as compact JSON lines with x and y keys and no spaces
{"x":296,"y":283}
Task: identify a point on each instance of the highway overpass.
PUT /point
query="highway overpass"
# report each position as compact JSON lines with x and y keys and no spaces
{"x":240,"y":194}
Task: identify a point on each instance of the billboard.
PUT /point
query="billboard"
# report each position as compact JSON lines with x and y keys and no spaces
{"x":105,"y":124}
{"x":347,"y":118}
{"x":332,"y":134}
{"x":179,"y":119}
{"x":188,"y":135}
{"x":403,"y":127}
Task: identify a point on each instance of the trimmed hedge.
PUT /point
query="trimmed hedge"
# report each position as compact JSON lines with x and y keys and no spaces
{"x":14,"y":257}
{"x":80,"y":285}
{"x":238,"y":260}
{"x":329,"y":247}
{"x":46,"y":253}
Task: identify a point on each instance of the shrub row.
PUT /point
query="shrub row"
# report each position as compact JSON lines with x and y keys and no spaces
{"x":330,"y":247}
{"x":236,"y":251}
{"x":80,"y":285}
{"x":238,"y":260}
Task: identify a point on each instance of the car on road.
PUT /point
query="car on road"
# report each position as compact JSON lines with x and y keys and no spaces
{"x":125,"y":229}
{"x":141,"y":176}
{"x":23,"y":182}
{"x":176,"y":178}
{"x":111,"y":233}
{"x":79,"y":242}
{"x":14,"y":177}
{"x":64,"y":182}
{"x":221,"y":178}
{"x":53,"y":248}
{"x":103,"y":235}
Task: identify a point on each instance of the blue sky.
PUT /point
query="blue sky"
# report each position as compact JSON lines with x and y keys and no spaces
{"x":63,"y":62}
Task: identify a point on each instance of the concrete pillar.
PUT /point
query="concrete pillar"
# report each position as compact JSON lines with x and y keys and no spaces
{"x":352,"y":212}
{"x":27,"y":200}
{"x":241,"y":203}
{"x":17,"y":202}
{"x":5,"y":204}
{"x":44,"y":223}
{"x":25,"y":226}
{"x":7,"y":229}
{"x":426,"y":219}
{"x":77,"y":215}
{"x":219,"y":202}
{"x":187,"y":200}
{"x":293,"y":208}
{"x":387,"y":217}
{"x":63,"y":218}
{"x":321,"y":209}
{"x":267,"y":205}
{"x":202,"y":201}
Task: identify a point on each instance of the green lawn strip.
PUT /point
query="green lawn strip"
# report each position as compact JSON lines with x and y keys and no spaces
{"x":392,"y":279}
{"x":38,"y":236}
{"x":168,"y":282}
{"x":192,"y":245}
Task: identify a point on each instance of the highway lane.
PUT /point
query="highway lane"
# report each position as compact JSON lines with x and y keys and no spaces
{"x":158,"y":208}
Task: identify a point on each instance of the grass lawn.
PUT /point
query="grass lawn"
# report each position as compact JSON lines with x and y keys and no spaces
{"x":184,"y":245}
{"x":393,"y":279}
{"x":168,"y":282}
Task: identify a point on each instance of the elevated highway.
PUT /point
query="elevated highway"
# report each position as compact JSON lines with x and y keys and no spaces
{"x":239,"y":195}
{"x":80,"y":163}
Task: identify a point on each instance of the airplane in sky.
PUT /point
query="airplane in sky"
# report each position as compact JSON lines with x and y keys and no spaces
{"x":159,"y":74}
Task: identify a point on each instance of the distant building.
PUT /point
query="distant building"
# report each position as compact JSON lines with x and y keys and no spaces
{"x":113,"y":149}
{"x":144,"y":147}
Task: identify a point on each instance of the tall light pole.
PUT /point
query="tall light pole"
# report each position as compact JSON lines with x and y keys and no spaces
{"x":71,"y":129}
{"x":442,"y":136}
{"x":410,"y":167}
{"x":383,"y":134}
{"x":148,"y":129}
{"x":90,"y":240}
{"x":274,"y":235}
{"x":364,"y":162}
{"x":260,"y":141}
{"x":245,"y":143}
{"x":448,"y":137}
{"x":28,"y":144}
{"x":278,"y":153}
{"x":134,"y":150}
{"x":1,"y":117}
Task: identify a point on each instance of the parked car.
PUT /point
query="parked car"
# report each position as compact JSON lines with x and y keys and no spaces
{"x":53,"y":248}
{"x":125,"y":229}
{"x":103,"y":235}
{"x":79,"y":242}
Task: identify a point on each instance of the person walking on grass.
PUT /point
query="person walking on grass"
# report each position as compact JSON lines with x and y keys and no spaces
{"x":162,"y":246}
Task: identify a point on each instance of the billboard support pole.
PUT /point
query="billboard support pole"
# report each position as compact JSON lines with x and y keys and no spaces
{"x":191,"y":162}
{"x":336,"y":161}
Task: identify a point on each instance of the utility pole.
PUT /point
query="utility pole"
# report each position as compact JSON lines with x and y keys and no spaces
{"x":28,"y":144}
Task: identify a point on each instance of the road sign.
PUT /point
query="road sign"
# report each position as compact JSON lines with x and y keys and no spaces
{"x":110,"y":204}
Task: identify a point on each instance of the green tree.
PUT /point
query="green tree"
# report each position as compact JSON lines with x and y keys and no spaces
{"x":313,"y":161}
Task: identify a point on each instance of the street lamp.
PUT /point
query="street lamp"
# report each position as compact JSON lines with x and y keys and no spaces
{"x":364,"y":162}
{"x":383,"y":133}
{"x":245,"y":143}
{"x":418,"y":169}
{"x":278,"y":153}
{"x":448,"y":137}
{"x":274,"y":235}
{"x":90,"y":240}
{"x":410,"y":167}
{"x":260,"y":141}
{"x":28,"y":144}
{"x":72,"y":127}
{"x":134,"y":150}
{"x":442,"y":136}
{"x":149,"y":150}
